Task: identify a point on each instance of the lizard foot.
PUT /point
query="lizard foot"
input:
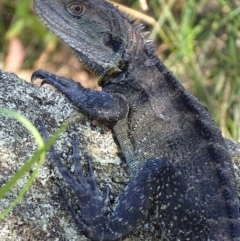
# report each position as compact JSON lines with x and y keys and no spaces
{"x":92,"y":204}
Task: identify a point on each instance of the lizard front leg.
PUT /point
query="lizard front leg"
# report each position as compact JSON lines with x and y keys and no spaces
{"x":97,"y":104}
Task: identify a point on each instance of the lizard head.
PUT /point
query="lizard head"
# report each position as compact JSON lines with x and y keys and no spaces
{"x":96,"y":31}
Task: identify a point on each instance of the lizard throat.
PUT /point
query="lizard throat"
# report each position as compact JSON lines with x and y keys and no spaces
{"x":103,"y":71}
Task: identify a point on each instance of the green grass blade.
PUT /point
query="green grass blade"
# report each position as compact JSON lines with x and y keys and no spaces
{"x":39,"y":155}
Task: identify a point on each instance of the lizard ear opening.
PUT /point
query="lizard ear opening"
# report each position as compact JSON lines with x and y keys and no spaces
{"x":111,"y":41}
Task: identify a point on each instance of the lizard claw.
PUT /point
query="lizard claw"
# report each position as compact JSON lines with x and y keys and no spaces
{"x":40,"y":74}
{"x":64,"y":85}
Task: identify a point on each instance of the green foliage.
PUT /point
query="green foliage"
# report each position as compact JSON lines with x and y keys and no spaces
{"x":21,"y":19}
{"x":17,"y":19}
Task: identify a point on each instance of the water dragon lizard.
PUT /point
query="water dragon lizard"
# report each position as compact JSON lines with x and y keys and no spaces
{"x":177,"y":156}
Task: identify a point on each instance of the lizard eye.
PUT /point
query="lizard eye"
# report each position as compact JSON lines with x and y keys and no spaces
{"x":76,"y":9}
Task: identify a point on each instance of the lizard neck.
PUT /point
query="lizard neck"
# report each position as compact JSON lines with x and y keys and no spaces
{"x":146,"y":72}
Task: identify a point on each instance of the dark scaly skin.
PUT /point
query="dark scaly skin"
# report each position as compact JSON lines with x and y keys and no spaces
{"x":178,"y":158}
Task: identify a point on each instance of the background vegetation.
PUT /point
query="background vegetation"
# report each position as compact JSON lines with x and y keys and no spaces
{"x":198,"y":40}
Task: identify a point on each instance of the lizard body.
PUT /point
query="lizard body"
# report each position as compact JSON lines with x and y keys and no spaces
{"x":177,"y":156}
